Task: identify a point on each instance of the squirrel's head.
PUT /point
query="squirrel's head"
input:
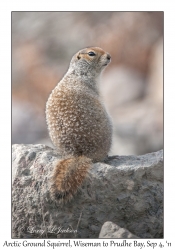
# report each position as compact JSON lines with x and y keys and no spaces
{"x":90,"y":61}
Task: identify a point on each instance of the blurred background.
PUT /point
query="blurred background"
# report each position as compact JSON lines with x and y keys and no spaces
{"x":43,"y":44}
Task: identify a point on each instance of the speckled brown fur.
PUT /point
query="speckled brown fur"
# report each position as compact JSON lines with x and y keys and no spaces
{"x":78,"y":123}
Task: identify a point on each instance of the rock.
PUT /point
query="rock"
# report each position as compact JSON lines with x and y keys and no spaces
{"x":111,"y":230}
{"x":127,"y":190}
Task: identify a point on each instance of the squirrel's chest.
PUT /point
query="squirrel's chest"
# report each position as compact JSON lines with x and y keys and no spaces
{"x":72,"y":104}
{"x":76,"y":120}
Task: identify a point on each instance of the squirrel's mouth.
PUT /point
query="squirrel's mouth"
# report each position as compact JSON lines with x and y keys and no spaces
{"x":105,"y":64}
{"x":107,"y":60}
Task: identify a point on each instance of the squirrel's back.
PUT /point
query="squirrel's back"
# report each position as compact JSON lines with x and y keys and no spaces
{"x":78,"y":123}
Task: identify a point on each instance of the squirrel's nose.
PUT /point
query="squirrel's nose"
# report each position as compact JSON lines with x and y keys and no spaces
{"x":108,"y":57}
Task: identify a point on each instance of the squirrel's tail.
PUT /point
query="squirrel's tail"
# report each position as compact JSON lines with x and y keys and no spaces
{"x":68,"y":176}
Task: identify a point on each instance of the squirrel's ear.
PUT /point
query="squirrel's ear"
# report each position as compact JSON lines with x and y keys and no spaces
{"x":78,"y":56}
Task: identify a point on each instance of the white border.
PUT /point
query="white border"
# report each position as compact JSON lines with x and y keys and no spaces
{"x":5,"y":93}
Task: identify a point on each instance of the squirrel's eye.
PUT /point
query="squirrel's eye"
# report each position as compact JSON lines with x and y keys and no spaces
{"x":91,"y":53}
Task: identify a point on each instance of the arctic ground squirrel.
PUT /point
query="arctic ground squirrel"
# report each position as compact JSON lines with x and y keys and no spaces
{"x":78,"y":123}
